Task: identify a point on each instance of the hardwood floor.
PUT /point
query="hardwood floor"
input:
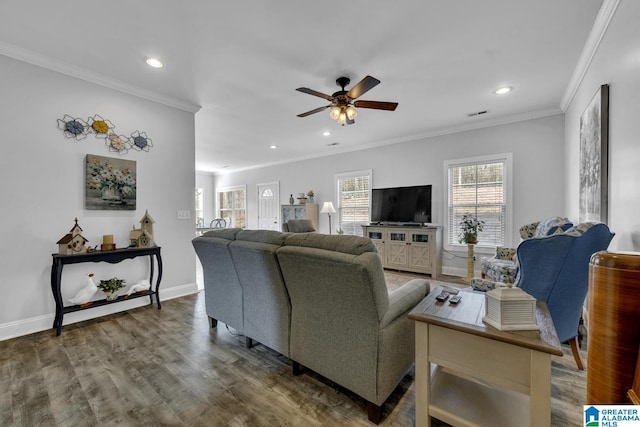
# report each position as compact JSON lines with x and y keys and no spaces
{"x":166,"y":367}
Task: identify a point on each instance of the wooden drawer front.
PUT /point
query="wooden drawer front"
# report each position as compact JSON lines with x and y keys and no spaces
{"x":469,"y":355}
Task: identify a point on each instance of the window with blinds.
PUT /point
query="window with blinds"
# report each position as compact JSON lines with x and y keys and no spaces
{"x":478,"y":187}
{"x":354,"y":195}
{"x":232,"y":204}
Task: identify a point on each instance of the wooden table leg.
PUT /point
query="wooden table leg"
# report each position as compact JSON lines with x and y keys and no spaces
{"x":540,"y":389}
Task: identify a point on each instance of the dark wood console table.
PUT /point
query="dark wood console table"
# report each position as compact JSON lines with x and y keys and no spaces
{"x":112,"y":257}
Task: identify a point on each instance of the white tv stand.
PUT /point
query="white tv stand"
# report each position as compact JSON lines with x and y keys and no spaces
{"x":408,"y":247}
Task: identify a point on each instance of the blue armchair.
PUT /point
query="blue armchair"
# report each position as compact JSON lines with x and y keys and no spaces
{"x":503,"y":267}
{"x":555,"y":269}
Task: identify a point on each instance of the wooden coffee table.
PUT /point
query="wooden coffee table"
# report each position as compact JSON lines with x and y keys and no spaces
{"x":481,"y":376}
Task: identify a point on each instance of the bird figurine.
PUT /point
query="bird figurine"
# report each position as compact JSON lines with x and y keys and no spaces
{"x":84,"y":295}
{"x":142,"y":286}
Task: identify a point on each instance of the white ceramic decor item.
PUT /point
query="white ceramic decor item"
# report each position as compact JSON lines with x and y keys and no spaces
{"x":85,"y":294}
{"x":510,"y":309}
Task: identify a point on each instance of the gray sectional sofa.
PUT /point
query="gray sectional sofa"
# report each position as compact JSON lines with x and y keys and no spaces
{"x":319,"y":300}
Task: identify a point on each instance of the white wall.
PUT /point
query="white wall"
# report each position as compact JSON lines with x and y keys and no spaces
{"x":538,"y":161}
{"x":617,"y":63}
{"x":42,"y":191}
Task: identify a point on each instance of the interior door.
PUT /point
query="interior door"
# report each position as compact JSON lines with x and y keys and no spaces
{"x":269,"y":206}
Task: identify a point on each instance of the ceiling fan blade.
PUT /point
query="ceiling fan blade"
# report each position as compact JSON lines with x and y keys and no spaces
{"x":363,"y":86}
{"x":315,"y":93}
{"x":317,"y":110}
{"x":378,"y":105}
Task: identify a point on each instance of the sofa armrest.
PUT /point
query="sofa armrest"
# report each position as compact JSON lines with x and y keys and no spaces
{"x":404,"y":299}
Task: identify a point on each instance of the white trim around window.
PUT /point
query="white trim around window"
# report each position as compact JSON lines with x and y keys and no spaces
{"x":353,"y":205}
{"x":499,"y":223}
{"x":236,"y":213}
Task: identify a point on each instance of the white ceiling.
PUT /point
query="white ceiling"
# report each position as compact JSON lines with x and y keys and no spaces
{"x":240,"y":61}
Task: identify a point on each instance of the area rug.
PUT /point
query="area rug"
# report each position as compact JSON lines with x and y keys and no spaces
{"x":395,"y":279}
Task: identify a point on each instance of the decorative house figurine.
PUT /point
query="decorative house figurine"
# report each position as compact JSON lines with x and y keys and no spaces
{"x":142,"y":237}
{"x":510,"y":309}
{"x":73,"y":242}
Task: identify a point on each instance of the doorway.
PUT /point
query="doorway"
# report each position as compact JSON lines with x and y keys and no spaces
{"x":269,"y":206}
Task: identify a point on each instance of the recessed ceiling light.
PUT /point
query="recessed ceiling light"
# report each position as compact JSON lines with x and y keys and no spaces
{"x":503,"y":90}
{"x":153,"y":62}
{"x":326,"y":133}
{"x":273,"y":147}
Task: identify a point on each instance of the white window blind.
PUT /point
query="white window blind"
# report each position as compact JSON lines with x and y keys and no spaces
{"x":354,"y":195}
{"x":479,"y":188}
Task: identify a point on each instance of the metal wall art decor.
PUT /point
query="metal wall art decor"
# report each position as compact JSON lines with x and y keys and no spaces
{"x":140,"y":141}
{"x":75,"y":128}
{"x":100,"y":127}
{"x":594,"y":142}
{"x":110,"y":183}
{"x":78,"y":129}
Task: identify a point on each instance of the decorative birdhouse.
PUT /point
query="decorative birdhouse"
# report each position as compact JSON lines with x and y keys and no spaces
{"x":510,"y":309}
{"x":142,"y":237}
{"x":73,"y":242}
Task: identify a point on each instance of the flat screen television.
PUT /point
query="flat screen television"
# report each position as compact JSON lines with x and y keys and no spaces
{"x":405,"y":205}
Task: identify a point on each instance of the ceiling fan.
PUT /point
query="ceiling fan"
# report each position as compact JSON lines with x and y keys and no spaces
{"x":343,"y":102}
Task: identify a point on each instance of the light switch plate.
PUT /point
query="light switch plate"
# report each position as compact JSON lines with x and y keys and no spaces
{"x":184,"y":214}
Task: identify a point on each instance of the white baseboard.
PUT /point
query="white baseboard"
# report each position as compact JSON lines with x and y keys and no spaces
{"x":28,"y":326}
{"x":453,"y":271}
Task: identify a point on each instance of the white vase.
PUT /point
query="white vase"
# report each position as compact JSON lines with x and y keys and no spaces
{"x":110,"y":193}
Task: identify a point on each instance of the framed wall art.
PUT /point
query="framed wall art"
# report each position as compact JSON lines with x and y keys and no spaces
{"x":110,"y":183}
{"x":594,"y":144}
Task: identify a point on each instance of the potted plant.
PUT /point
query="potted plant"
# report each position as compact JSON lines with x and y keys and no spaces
{"x":111,"y":287}
{"x":310,"y":194}
{"x":470,"y":226}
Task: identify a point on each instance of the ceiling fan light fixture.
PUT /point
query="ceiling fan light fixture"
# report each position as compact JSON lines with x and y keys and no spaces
{"x":342,"y":119}
{"x":351,"y":113}
{"x":335,"y":113}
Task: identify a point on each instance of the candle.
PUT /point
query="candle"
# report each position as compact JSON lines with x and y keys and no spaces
{"x":107,"y":239}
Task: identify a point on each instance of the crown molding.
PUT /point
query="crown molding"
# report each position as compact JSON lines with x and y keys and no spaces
{"x":49,"y":63}
{"x":411,"y":138}
{"x":605,"y":14}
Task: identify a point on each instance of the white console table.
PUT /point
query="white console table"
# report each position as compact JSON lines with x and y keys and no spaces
{"x":416,"y":249}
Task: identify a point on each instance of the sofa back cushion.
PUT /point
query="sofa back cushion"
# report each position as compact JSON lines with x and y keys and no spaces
{"x":222,"y":289}
{"x":354,"y":245}
{"x":223,"y":233}
{"x":337,"y":301}
{"x":262,"y":236}
{"x":266,"y":305}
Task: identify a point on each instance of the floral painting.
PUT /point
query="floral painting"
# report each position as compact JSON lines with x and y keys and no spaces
{"x":110,"y":183}
{"x":594,"y":126}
